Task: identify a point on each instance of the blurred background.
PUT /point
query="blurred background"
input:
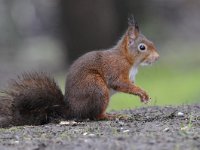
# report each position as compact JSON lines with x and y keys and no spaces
{"x":48,"y":35}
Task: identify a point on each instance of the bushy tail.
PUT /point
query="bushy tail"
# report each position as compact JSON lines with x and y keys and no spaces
{"x":31,"y":99}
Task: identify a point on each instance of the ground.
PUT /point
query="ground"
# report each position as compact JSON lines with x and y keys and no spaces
{"x":173,"y":128}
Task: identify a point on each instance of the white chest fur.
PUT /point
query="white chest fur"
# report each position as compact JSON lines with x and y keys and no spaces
{"x":132,"y":73}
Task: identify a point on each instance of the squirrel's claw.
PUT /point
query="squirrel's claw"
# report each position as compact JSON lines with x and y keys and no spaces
{"x":144,"y":97}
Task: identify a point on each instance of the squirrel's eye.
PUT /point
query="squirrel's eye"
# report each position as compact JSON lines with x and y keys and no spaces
{"x":142,"y":47}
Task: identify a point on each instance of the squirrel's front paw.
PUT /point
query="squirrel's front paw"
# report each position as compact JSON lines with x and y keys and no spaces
{"x":144,"y":97}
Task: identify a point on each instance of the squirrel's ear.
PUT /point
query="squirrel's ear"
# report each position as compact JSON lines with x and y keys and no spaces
{"x":133,"y":29}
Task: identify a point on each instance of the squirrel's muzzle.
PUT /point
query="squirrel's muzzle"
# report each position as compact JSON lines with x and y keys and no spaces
{"x":155,"y":56}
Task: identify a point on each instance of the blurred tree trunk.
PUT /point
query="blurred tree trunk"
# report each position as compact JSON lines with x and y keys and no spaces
{"x":88,"y":25}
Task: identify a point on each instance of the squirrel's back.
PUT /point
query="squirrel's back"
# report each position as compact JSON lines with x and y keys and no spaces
{"x":34,"y":98}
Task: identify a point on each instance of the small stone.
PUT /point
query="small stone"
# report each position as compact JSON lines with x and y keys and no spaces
{"x":92,"y":135}
{"x":16,"y":142}
{"x":180,"y":114}
{"x":166,"y":130}
{"x":121,"y":123}
{"x":64,"y":123}
{"x":73,"y":123}
{"x":125,"y":131}
{"x":185,"y":128}
{"x":85,"y":133}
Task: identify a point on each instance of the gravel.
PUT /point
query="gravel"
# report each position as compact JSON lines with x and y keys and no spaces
{"x":148,"y":128}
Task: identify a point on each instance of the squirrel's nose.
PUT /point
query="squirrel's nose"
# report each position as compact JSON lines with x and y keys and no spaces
{"x":156,"y":56}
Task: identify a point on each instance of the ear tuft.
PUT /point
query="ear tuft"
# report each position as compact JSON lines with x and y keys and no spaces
{"x":132,"y":22}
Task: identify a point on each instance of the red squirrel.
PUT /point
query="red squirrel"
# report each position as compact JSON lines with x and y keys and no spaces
{"x":35,"y":98}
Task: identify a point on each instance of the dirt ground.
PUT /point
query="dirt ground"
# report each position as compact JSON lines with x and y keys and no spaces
{"x":170,"y":128}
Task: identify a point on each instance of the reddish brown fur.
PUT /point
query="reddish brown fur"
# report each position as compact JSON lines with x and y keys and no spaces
{"x":92,"y":76}
{"x":35,"y":98}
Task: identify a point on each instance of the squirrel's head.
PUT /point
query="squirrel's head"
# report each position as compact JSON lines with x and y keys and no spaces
{"x":139,"y":48}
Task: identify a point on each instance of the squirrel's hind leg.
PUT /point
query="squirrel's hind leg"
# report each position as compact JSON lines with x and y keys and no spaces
{"x":96,"y":97}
